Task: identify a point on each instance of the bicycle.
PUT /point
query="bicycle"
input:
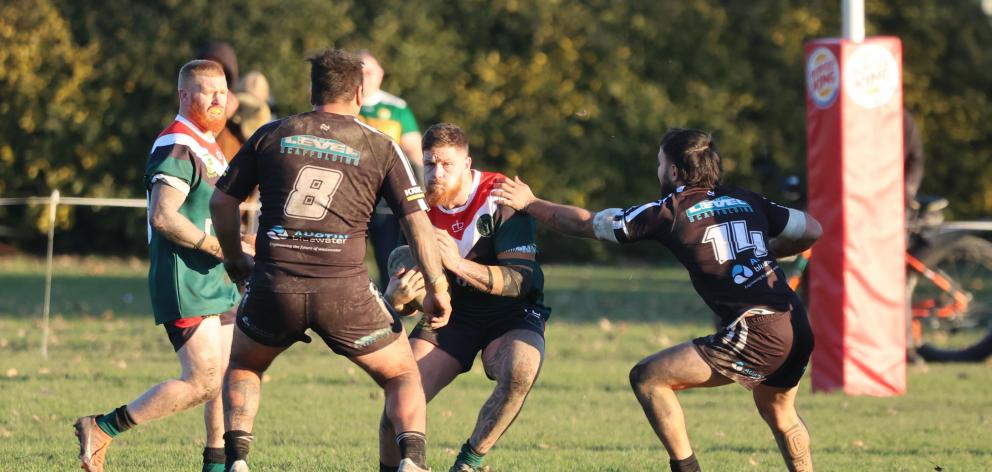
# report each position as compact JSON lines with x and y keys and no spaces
{"x":948,"y":285}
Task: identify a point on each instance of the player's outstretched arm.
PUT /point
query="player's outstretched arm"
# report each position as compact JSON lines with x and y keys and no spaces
{"x":420,"y":233}
{"x":799,"y":234}
{"x":226,"y":216}
{"x":571,"y":220}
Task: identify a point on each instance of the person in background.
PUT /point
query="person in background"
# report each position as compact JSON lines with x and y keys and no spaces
{"x":223,"y":54}
{"x":393,"y":117}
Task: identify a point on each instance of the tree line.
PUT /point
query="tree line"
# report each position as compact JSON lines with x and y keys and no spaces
{"x":571,"y":95}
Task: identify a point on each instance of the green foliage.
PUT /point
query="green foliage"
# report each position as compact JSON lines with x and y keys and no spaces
{"x":572,"y":96}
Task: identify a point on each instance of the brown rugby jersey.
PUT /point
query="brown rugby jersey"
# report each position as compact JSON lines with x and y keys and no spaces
{"x":319,"y":176}
{"x":721,"y":236}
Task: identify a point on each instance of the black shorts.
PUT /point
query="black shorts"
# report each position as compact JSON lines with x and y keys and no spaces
{"x":181,"y":330}
{"x":771,"y":349}
{"x":464,"y":337}
{"x":352,"y":319}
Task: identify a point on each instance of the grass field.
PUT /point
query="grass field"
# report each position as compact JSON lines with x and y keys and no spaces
{"x":320,"y":413}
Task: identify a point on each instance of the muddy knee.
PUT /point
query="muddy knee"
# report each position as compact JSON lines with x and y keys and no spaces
{"x":519,"y":381}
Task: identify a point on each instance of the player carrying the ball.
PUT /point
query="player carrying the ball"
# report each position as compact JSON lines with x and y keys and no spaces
{"x":488,"y":252}
{"x":728,"y":239}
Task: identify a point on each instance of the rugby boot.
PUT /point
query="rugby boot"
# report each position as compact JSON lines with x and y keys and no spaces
{"x":238,"y":466}
{"x":407,"y":465}
{"x":93,"y":443}
{"x":463,"y":467}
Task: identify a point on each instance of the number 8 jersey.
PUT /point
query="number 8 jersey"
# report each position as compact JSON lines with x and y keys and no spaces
{"x":319,"y":176}
{"x":721,"y":236}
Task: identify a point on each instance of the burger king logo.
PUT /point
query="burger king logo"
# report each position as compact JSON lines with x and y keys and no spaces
{"x":871,"y":76}
{"x":822,"y":77}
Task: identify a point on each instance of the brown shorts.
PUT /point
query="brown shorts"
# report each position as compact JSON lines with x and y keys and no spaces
{"x":464,"y":337}
{"x":352,"y":319}
{"x":771,"y":349}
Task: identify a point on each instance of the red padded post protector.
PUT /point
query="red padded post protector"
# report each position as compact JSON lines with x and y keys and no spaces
{"x":855,"y":174}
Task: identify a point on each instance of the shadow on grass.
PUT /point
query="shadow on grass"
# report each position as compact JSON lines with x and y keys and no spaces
{"x":22,"y":296}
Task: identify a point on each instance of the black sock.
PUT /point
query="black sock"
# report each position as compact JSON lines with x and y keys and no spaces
{"x":413,"y":446}
{"x":213,"y":455}
{"x":115,"y":422}
{"x":236,"y":444}
{"x":388,"y":468}
{"x":689,"y":464}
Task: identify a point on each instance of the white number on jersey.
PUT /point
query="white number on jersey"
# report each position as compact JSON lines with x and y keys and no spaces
{"x":726,"y":248}
{"x":312,"y":193}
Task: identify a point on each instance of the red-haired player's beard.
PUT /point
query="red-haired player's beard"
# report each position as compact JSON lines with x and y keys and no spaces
{"x":212,"y":119}
{"x":439,"y":194}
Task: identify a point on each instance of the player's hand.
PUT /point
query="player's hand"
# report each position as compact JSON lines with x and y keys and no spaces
{"x":514,"y":193}
{"x":239,"y":268}
{"x":248,"y":244}
{"x":248,"y":248}
{"x":404,"y":286}
{"x":448,"y":248}
{"x":437,"y":307}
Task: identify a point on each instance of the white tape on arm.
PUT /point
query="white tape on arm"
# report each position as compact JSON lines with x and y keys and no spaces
{"x":796,"y":226}
{"x":174,"y":182}
{"x":602,"y":224}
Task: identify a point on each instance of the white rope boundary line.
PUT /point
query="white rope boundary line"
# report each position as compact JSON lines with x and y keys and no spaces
{"x":53,"y":202}
{"x":86,"y":201}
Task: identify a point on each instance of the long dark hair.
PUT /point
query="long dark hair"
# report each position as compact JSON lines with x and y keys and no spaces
{"x":694,"y":154}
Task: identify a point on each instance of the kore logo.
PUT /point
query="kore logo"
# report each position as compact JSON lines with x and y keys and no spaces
{"x":741,"y":274}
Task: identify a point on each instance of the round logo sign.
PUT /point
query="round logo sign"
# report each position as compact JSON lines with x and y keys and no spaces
{"x":871,"y":76}
{"x":822,"y":77}
{"x":485,"y":225}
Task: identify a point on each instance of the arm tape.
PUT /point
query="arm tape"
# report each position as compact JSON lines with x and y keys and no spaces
{"x":796,"y":226}
{"x":602,"y":224}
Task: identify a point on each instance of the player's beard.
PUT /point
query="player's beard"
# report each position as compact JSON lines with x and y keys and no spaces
{"x":668,"y":186}
{"x":211,"y":118}
{"x":439,"y":194}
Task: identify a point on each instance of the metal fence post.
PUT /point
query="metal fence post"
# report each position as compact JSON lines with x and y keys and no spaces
{"x":53,"y":204}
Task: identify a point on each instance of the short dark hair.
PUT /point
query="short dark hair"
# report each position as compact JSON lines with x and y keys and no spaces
{"x":335,"y":74}
{"x":695,"y":156}
{"x":198,"y":67}
{"x":444,"y":135}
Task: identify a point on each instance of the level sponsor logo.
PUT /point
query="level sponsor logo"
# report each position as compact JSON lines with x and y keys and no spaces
{"x":319,"y":148}
{"x":718,"y":206}
{"x":822,"y":77}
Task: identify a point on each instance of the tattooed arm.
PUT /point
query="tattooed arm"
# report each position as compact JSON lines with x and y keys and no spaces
{"x":501,"y":280}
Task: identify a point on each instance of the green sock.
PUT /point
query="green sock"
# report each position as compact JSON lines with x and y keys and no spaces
{"x":213,"y":467}
{"x":213,"y":459}
{"x":115,"y":422}
{"x":469,"y":456}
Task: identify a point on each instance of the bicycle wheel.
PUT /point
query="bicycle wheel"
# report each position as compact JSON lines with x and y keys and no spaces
{"x":950,"y":332}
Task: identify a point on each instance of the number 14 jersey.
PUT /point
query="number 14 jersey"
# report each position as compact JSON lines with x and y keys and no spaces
{"x":721,"y":236}
{"x":319,"y":176}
